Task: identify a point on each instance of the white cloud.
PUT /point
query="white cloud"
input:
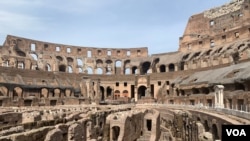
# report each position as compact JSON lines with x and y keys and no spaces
{"x":18,"y":22}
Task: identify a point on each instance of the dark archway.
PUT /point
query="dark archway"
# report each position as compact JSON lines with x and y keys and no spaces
{"x":195,"y":91}
{"x":215,"y":132}
{"x":239,"y":86}
{"x":62,"y":68}
{"x":171,"y":67}
{"x":206,"y":126}
{"x":109,"y":92}
{"x":145,"y":67}
{"x":102,"y":93}
{"x":141,"y":92}
{"x":134,"y":69}
{"x":115,"y":133}
{"x":162,"y":68}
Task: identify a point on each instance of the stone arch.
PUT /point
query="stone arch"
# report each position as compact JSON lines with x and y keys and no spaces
{"x":127,"y":71}
{"x":70,"y":59}
{"x":145,"y":67}
{"x":102,"y":93}
{"x":125,"y":93}
{"x":195,"y":91}
{"x":79,"y":62}
{"x":117,"y":94}
{"x":21,"y":53}
{"x":115,"y":133}
{"x":162,"y":68}
{"x":48,"y":67}
{"x":70,"y":69}
{"x":134,"y":70}
{"x":109,"y":91}
{"x":90,"y":70}
{"x":44,"y":92}
{"x":118,"y":63}
{"x":17,"y":93}
{"x":109,"y":66}
{"x":62,"y":68}
{"x":239,"y":86}
{"x":57,"y":93}
{"x":142,"y":91}
{"x":59,"y":58}
{"x":99,"y":71}
{"x":215,"y":132}
{"x":206,"y":126}
{"x":171,"y":67}
{"x":127,"y":67}
{"x":20,"y":64}
{"x":34,"y":56}
{"x":205,"y":90}
{"x":3,"y":91}
{"x":99,"y":63}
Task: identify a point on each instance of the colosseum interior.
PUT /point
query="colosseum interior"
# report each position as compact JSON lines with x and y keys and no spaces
{"x":57,"y":92}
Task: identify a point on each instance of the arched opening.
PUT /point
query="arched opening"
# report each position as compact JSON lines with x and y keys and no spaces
{"x":62,"y":68}
{"x":108,"y":67}
{"x":20,"y":64}
{"x":99,"y":63}
{"x":47,"y":67}
{"x":102,"y":93}
{"x":215,"y":132}
{"x":239,"y":86}
{"x":117,"y":94}
{"x":20,"y":53}
{"x":141,"y":91}
{"x":80,"y":70}
{"x":162,"y":68}
{"x":79,"y":62}
{"x":182,"y":92}
{"x":145,"y":67}
{"x":115,"y":133}
{"x":90,"y":70}
{"x":34,"y":56}
{"x":99,"y":71}
{"x":171,"y":67}
{"x":59,"y":58}
{"x":195,"y":91}
{"x":109,"y":92}
{"x":206,"y":126}
{"x":125,"y":93}
{"x":127,"y":71}
{"x":205,"y":90}
{"x":17,"y":93}
{"x":70,"y":60}
{"x":134,"y":70}
{"x":118,"y":63}
{"x":70,"y":70}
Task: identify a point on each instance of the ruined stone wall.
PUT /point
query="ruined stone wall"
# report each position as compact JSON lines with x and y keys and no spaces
{"x":217,"y":26}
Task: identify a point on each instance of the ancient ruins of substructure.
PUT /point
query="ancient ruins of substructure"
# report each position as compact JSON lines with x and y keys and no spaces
{"x":53,"y":92}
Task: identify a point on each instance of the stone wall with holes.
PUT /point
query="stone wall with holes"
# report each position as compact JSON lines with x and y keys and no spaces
{"x":217,"y":26}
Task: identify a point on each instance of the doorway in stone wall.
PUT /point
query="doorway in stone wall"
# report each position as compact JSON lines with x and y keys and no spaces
{"x":141,"y":92}
{"x":53,"y":102}
{"x":115,"y":133}
{"x":27,"y":102}
{"x":1,"y":103}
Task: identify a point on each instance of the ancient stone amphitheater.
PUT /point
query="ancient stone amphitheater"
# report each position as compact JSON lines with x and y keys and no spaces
{"x":57,"y":92}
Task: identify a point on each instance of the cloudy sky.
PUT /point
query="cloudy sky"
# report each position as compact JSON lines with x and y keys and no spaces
{"x":156,"y":24}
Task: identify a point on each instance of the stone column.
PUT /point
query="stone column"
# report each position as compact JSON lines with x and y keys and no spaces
{"x":136,"y":94}
{"x":219,"y":96}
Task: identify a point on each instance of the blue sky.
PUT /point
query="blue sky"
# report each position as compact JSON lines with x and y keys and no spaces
{"x":156,"y":24}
